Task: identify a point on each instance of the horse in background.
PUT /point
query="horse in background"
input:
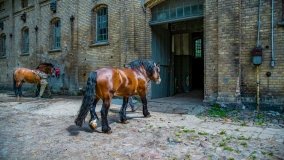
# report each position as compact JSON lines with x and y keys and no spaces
{"x":105,"y":83}
{"x":22,"y":75}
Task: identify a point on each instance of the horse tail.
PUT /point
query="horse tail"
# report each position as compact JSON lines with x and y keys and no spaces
{"x":88,"y":98}
{"x":14,"y":84}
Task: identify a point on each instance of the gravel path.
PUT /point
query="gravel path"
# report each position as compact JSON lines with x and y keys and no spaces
{"x":44,"y":129}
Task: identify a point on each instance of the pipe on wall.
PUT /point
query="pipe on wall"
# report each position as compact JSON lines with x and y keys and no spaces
{"x":272,"y":35}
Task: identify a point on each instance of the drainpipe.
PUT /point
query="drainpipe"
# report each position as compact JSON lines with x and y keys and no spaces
{"x":257,"y":67}
{"x":272,"y":35}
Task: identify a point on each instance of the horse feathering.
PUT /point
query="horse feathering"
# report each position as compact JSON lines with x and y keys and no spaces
{"x":88,"y":98}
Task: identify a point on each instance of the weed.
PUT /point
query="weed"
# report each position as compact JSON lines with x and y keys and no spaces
{"x":185,"y":130}
{"x":222,"y":144}
{"x":217,"y":111}
{"x":231,"y":158}
{"x":243,"y":138}
{"x":244,"y":144}
{"x":244,"y":123}
{"x":203,"y":133}
{"x":270,"y":153}
{"x":227,"y":148}
{"x":222,"y":132}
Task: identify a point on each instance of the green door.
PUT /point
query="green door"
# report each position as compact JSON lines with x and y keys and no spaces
{"x":161,"y":48}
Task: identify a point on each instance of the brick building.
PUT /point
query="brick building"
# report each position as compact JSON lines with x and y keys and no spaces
{"x":202,"y":45}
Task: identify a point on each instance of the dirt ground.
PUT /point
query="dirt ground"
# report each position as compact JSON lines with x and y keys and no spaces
{"x":44,"y":129}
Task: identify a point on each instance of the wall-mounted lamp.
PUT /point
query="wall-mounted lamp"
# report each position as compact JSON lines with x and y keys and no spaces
{"x":36,"y":28}
{"x":24,"y":17}
{"x":72,"y":18}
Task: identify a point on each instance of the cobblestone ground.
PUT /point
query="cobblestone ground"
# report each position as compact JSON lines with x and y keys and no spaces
{"x":44,"y":129}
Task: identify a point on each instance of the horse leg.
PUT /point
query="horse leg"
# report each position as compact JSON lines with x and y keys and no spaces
{"x":145,"y":108}
{"x":122,"y":111}
{"x":130,"y":102}
{"x":104,"y":113}
{"x":94,"y":116}
{"x":19,"y":88}
{"x":37,"y":90}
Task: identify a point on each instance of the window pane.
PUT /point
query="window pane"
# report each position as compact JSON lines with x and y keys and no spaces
{"x":101,"y":29}
{"x":2,"y":45}
{"x":198,"y":48}
{"x":56,"y":37}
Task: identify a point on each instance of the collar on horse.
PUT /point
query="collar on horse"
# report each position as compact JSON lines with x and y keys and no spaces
{"x":40,"y":74}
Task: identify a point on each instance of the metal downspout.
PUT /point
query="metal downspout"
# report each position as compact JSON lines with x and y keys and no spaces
{"x":257,"y":67}
{"x":272,"y":35}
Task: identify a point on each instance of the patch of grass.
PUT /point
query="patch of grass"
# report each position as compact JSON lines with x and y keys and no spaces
{"x":259,"y":116}
{"x":192,"y":137}
{"x":178,"y":134}
{"x":237,"y":129}
{"x":222,"y":132}
{"x":228,"y":148}
{"x":185,"y":130}
{"x":244,"y":144}
{"x":222,"y":144}
{"x":252,"y":156}
{"x":243,"y":123}
{"x":260,"y":123}
{"x":230,"y":158}
{"x":203,"y":133}
{"x":243,"y":138}
{"x":187,"y":157}
{"x":217,"y":111}
{"x":270,"y":153}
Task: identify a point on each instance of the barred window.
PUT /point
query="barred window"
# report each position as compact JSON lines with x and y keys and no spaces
{"x":24,"y":3}
{"x":25,"y":40}
{"x":55,"y":34}
{"x":198,"y":48}
{"x":2,"y":5}
{"x":101,"y":27}
{"x":2,"y":45}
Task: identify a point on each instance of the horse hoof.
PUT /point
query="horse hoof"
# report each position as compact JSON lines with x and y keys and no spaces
{"x":147,"y":116}
{"x":124,"y":122}
{"x":107,"y":131}
{"x":93,"y":124}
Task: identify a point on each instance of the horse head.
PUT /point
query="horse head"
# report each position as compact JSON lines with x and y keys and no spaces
{"x":47,"y":68}
{"x":151,"y":68}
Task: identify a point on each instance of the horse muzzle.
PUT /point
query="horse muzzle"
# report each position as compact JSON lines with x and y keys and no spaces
{"x":158,"y":81}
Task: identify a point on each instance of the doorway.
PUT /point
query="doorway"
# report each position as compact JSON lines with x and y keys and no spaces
{"x":179,"y":49}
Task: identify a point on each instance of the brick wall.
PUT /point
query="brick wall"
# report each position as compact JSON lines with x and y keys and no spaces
{"x":230,"y":30}
{"x":230,"y":35}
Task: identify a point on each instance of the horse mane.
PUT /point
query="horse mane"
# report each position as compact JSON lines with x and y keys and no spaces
{"x":46,"y":64}
{"x":147,"y":64}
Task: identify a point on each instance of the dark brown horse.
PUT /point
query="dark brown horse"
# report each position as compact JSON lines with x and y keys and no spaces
{"x":22,"y":75}
{"x":105,"y":83}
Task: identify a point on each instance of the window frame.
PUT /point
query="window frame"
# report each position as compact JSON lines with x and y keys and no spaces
{"x":3,"y":44}
{"x":100,"y":20}
{"x":25,"y":41}
{"x":198,"y":55}
{"x":55,"y":34}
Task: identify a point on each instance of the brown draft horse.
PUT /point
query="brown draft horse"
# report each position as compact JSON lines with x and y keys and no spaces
{"x":105,"y":83}
{"x":22,"y":75}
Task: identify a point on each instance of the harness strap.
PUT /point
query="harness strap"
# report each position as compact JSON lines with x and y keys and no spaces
{"x":41,"y":74}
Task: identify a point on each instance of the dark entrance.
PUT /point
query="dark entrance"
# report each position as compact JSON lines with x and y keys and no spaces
{"x":177,"y":43}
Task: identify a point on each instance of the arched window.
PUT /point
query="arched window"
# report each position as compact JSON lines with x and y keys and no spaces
{"x":101,"y":24}
{"x":25,"y":40}
{"x":55,"y":34}
{"x":3,"y":45}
